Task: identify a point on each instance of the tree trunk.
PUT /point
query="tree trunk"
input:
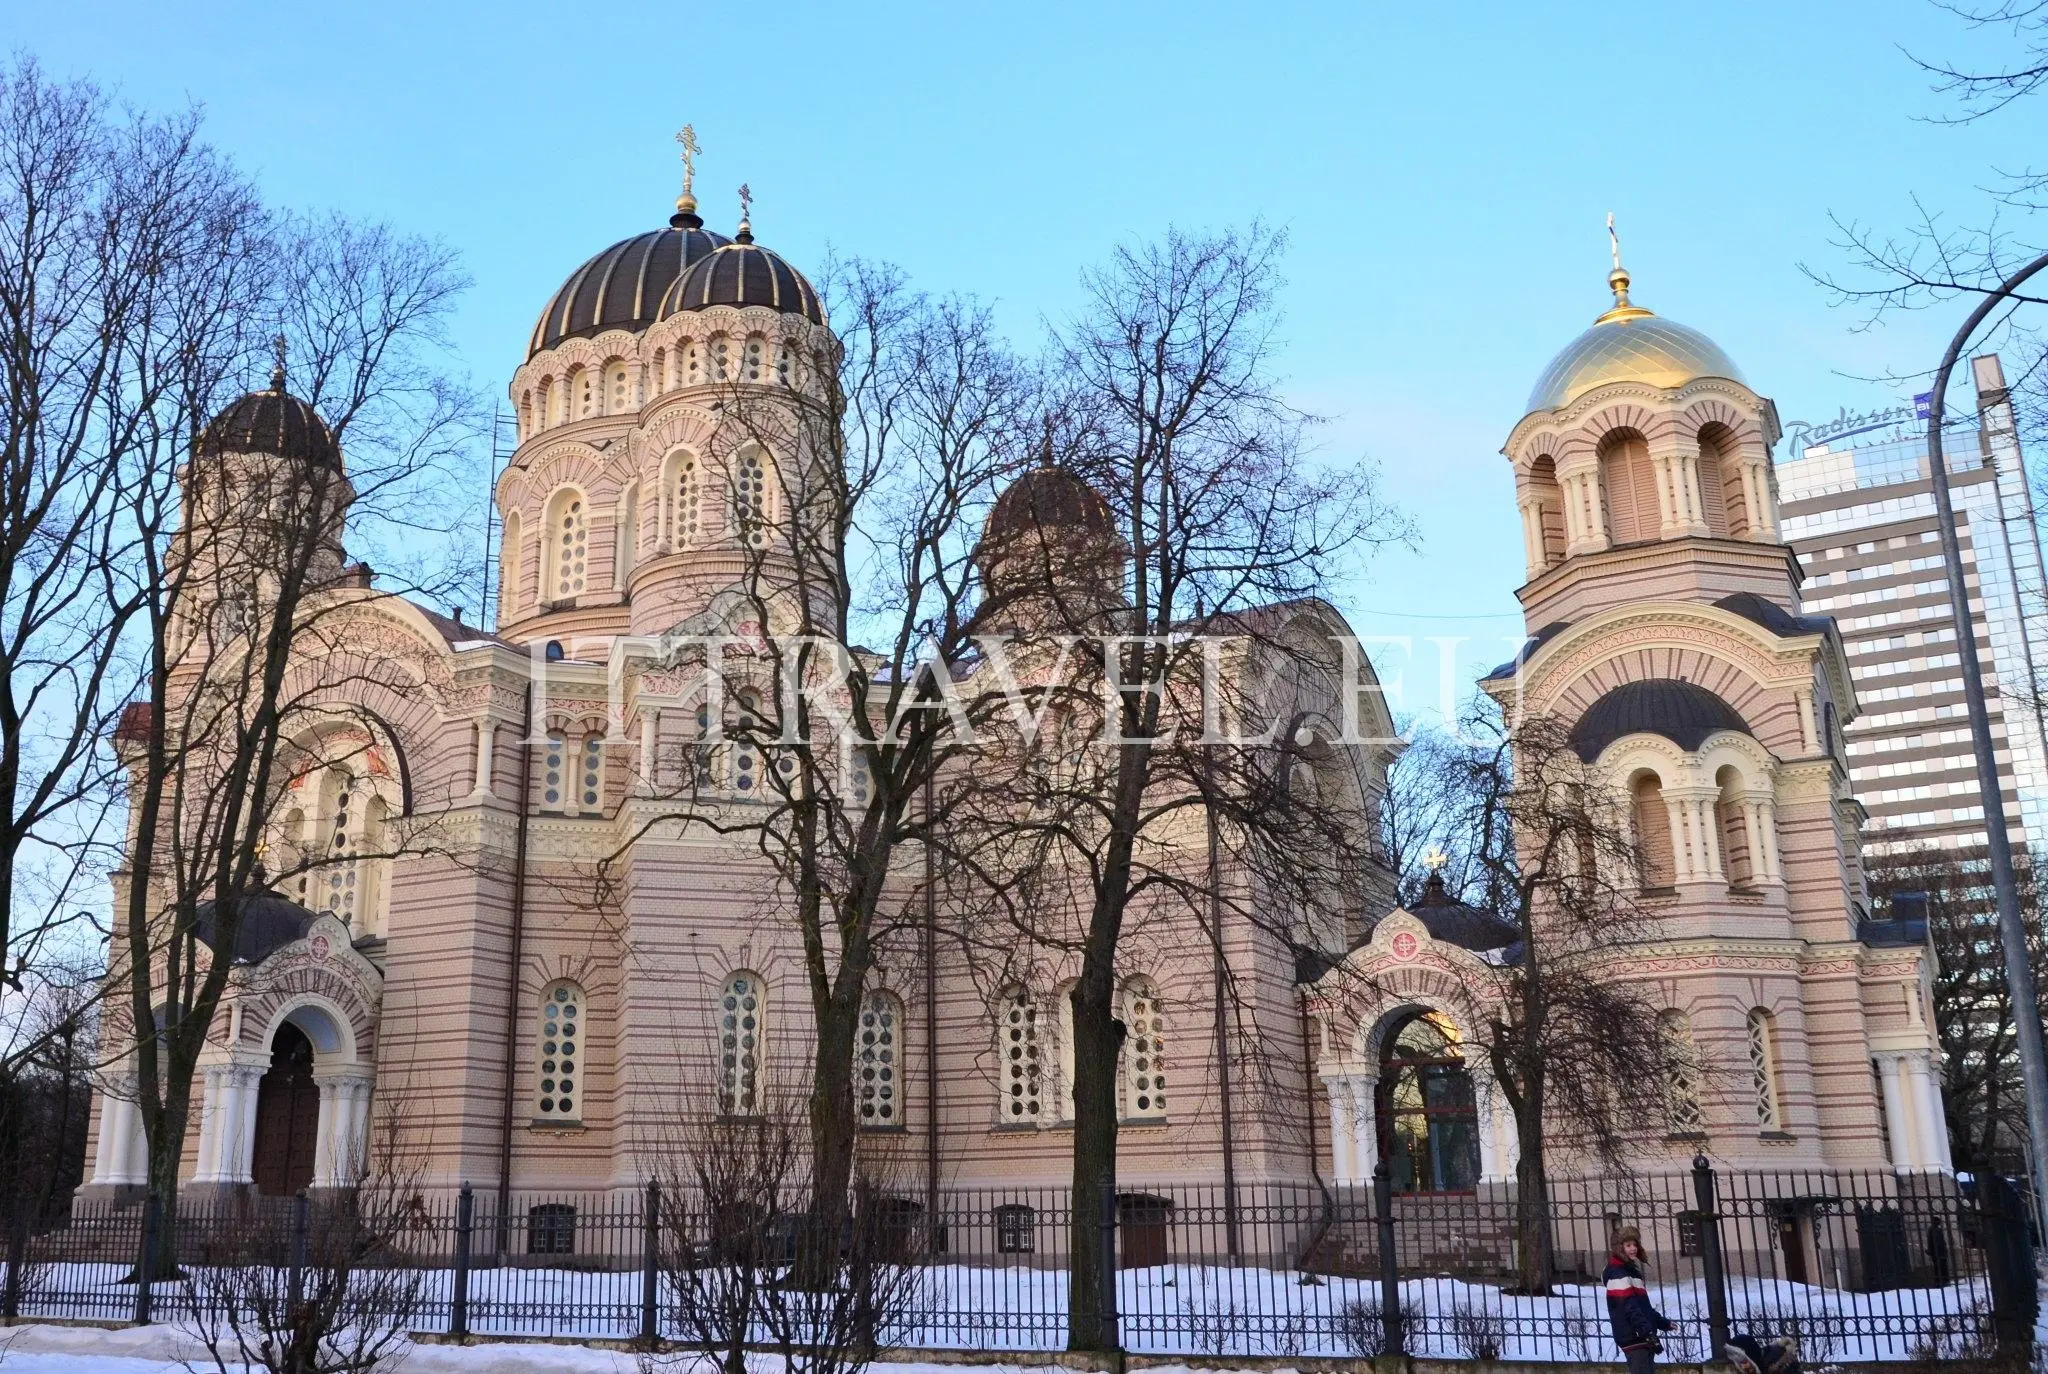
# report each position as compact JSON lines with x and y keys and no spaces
{"x":1098,"y":1039}
{"x":1535,"y":1257}
{"x":834,"y":1135}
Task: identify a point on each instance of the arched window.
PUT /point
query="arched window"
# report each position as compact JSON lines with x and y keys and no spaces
{"x":572,"y":545}
{"x":526,"y":414}
{"x":590,"y":781}
{"x":547,"y":403}
{"x":750,"y":497}
{"x":875,"y":1062}
{"x":1144,"y":1053}
{"x":1427,"y":1112}
{"x":689,"y":491}
{"x":721,"y":358}
{"x":618,"y":386}
{"x":756,"y":358}
{"x":745,"y":778}
{"x":554,"y":768}
{"x":1017,"y":1043}
{"x":1713,"y":471}
{"x":657,"y":371}
{"x":583,"y":389}
{"x":557,"y":1058}
{"x":742,"y":1019}
{"x":1763,"y":1071}
{"x":1652,"y":832}
{"x":1681,"y":1074}
{"x":511,"y":565}
{"x":860,"y":779}
{"x":1063,"y":1021}
{"x":1546,"y":534}
{"x":1628,"y":484}
{"x":341,"y":879}
{"x":1738,"y":865}
{"x":625,"y":535}
{"x":692,"y":362}
{"x":785,"y":363}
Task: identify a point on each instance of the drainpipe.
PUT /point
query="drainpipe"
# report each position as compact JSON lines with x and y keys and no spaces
{"x":933,"y":1230}
{"x":517,"y":955}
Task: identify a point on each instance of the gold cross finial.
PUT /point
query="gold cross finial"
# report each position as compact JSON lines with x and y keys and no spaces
{"x":1618,"y":282}
{"x":745,"y":233}
{"x":1434,"y":859}
{"x":277,"y":372}
{"x":1613,"y":241}
{"x":688,"y":139}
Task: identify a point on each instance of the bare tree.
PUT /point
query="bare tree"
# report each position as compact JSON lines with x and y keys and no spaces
{"x":737,"y":1261}
{"x":252,"y":676}
{"x":1149,"y":579}
{"x":1982,"y":1096}
{"x":1550,"y":850}
{"x":892,"y":444}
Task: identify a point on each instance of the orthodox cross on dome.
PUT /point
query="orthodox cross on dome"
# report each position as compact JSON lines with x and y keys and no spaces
{"x":1434,"y":859}
{"x":746,"y":229}
{"x":688,"y":139}
{"x":1613,"y":241}
{"x":1618,"y":282}
{"x":277,"y":372}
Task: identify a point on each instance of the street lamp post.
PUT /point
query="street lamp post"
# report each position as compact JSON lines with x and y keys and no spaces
{"x":2012,"y":932}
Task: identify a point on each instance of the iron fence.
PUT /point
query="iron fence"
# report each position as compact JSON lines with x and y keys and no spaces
{"x":1860,"y":1266}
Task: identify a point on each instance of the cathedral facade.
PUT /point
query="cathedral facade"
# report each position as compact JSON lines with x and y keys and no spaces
{"x":538,"y":1030}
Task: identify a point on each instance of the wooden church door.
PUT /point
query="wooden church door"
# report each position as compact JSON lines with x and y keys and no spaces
{"x":287,"y":1116}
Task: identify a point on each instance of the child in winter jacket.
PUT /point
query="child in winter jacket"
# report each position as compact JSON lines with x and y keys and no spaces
{"x":1636,"y":1324}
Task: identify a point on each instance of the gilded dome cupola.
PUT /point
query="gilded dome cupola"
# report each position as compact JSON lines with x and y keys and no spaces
{"x":1629,"y":344}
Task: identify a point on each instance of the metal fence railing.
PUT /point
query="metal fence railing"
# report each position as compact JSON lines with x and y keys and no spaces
{"x":1859,"y":1265}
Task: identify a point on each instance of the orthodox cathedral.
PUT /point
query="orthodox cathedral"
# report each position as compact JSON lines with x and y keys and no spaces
{"x":539,"y":1034}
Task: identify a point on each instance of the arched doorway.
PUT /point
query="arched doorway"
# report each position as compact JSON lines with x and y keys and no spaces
{"x":1427,"y":1112}
{"x":287,"y":1116}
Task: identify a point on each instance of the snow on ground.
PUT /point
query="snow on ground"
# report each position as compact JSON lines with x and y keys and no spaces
{"x":1185,"y":1310}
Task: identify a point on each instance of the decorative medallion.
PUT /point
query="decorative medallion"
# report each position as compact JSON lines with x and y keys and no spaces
{"x":1406,"y":946}
{"x":321,"y":946}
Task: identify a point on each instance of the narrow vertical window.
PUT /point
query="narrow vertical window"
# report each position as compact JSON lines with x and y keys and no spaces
{"x":875,"y":1061}
{"x":688,"y":488}
{"x":1763,"y":1067}
{"x":626,"y":534}
{"x":757,"y":357}
{"x":342,"y":876}
{"x":721,"y":358}
{"x":586,"y":393}
{"x":620,"y":387}
{"x":592,"y":781}
{"x":1681,"y":1074}
{"x":750,"y":498}
{"x":559,"y":1077}
{"x":1144,"y":1053}
{"x":693,"y":363}
{"x":745,"y":778}
{"x":553,"y":771}
{"x":1018,"y":1022}
{"x":741,"y":1011}
{"x":572,"y":547}
{"x":511,"y":564}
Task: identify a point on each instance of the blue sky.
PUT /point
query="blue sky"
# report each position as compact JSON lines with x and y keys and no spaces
{"x":1443,"y":171}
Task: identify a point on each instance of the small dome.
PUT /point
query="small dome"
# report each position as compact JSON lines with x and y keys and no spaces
{"x":743,"y":273}
{"x":265,"y":924}
{"x":273,"y":421}
{"x":1052,"y":500}
{"x":624,"y":286}
{"x":1683,"y":712}
{"x":1629,"y":344}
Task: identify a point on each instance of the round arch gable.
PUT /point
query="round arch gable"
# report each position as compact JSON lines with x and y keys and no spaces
{"x":1562,"y":662}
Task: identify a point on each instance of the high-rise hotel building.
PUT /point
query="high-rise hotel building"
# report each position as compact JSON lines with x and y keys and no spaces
{"x":1858,"y":507}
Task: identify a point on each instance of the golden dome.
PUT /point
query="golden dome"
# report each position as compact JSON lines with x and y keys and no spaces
{"x":1629,"y":344}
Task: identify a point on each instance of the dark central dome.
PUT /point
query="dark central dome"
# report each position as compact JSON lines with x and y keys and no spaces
{"x":1049,"y":499}
{"x":273,"y":421}
{"x":743,"y":273}
{"x":624,"y":286}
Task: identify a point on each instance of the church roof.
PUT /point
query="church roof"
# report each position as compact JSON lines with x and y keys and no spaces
{"x":1455,"y":923}
{"x":743,"y":273}
{"x":1683,"y":712}
{"x":1772,"y":616}
{"x":1050,"y":499}
{"x":267,"y":924}
{"x":623,"y":287}
{"x":1629,"y":344}
{"x":273,"y":421}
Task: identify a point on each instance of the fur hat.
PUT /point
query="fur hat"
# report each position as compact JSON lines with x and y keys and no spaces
{"x":1624,"y":1234}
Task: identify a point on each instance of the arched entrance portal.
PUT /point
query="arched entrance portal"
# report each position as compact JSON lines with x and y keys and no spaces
{"x":287,"y":1116}
{"x":1427,"y":1112}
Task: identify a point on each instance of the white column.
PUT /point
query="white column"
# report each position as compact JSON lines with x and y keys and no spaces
{"x":650,"y":724}
{"x":1365,"y":1129}
{"x":1897,"y":1124}
{"x":250,"y":1081}
{"x":1343,"y":1161}
{"x":106,"y":1156}
{"x":1532,"y":536}
{"x":1767,"y":827}
{"x":1809,"y":735}
{"x":486,"y":742}
{"x":1710,"y":831}
{"x":1927,"y":1111}
{"x":338,"y":1138}
{"x":212,"y":1112}
{"x":1763,"y":520}
{"x":1676,"y":813}
{"x":1485,"y":1094}
{"x":1752,"y":835}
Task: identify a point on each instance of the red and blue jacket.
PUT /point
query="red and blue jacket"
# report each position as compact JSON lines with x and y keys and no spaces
{"x":1629,"y":1313}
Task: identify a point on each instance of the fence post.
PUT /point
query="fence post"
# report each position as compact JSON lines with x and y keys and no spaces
{"x":458,"y":1297}
{"x":1710,"y":1256}
{"x":145,"y":1261}
{"x":1393,"y":1340}
{"x":296,"y":1289}
{"x":650,"y":1247}
{"x":2003,"y":1215}
{"x":1105,"y":1233}
{"x":17,"y":1255}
